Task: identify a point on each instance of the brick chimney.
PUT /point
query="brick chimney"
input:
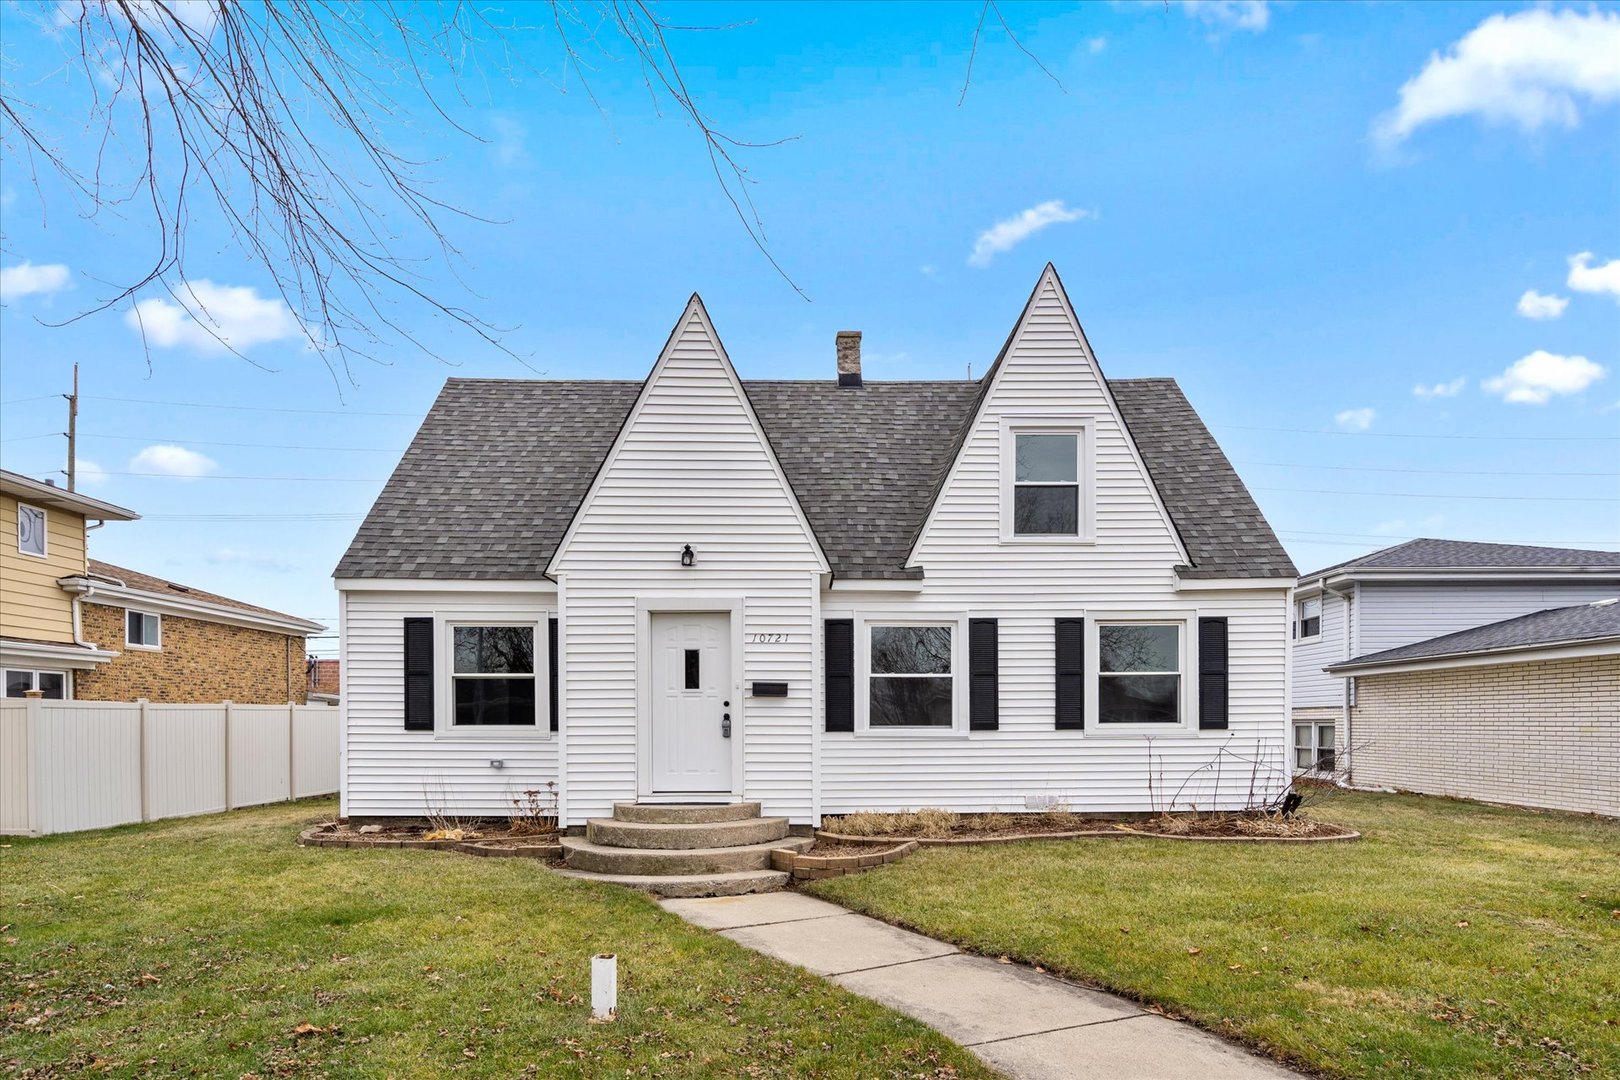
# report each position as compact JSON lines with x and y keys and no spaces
{"x":849,"y":358}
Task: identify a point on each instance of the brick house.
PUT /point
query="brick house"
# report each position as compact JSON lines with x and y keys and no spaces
{"x":75,"y":627}
{"x":1523,"y":711}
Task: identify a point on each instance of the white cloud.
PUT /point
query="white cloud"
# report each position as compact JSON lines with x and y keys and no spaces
{"x":89,"y":474}
{"x":222,"y":318}
{"x":1251,"y":15}
{"x":1535,"y":379}
{"x":1442,"y":389}
{"x":26,"y":279}
{"x":1584,"y":277}
{"x":1532,"y":68}
{"x":1404,"y":527}
{"x":928,"y":269}
{"x":1534,"y":305}
{"x":1097,"y":44}
{"x":1355,"y":419}
{"x":165,"y":459}
{"x":511,"y":142}
{"x":246,"y":557}
{"x":1006,"y":234}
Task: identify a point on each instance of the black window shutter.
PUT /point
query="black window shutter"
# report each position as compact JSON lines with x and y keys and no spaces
{"x":1212,"y":674}
{"x":984,"y":695}
{"x":1070,"y":640}
{"x":418,"y":674}
{"x":551,"y":666}
{"x":838,"y":645}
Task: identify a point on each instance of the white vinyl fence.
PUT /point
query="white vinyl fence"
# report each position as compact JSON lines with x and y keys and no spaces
{"x":72,"y":765}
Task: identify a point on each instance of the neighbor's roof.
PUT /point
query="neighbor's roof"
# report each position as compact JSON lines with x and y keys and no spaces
{"x":30,"y":490}
{"x":492,"y":479}
{"x":1555,"y":626}
{"x":134,"y":579}
{"x":1428,"y":554}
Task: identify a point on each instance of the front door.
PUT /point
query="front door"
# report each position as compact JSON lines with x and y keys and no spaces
{"x":691,"y":702}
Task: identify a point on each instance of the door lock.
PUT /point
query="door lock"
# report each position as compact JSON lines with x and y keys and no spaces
{"x":725,"y":725}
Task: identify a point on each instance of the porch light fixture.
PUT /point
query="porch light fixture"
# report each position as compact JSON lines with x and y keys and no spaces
{"x":686,"y":555}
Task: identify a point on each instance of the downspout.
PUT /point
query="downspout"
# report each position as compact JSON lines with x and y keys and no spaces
{"x":77,"y":623}
{"x":1349,"y":614}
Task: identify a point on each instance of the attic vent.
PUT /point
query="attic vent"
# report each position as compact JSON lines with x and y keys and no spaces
{"x":849,"y":358}
{"x":176,"y":588}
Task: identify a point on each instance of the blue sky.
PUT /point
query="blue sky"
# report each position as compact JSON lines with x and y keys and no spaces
{"x":1241,"y":196}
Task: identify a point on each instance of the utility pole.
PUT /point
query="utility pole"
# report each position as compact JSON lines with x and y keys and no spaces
{"x":73,"y":430}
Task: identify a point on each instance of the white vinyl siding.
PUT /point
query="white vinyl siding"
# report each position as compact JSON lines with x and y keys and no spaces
{"x":1396,"y":614}
{"x":1313,"y":686}
{"x":692,"y":468}
{"x":391,"y":771}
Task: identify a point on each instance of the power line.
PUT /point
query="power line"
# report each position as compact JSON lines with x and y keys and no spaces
{"x":26,"y":400}
{"x":1390,"y":536}
{"x":219,"y":476}
{"x":1435,"y":472}
{"x":250,"y":408}
{"x":244,"y":445}
{"x":1415,"y":435}
{"x":1438,"y":495}
{"x":227,"y":518}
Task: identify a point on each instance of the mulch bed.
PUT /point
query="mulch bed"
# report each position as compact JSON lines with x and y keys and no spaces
{"x":496,"y":840}
{"x":1003,"y":828}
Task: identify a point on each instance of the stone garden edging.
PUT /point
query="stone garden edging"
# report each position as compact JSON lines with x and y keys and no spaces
{"x":325,"y":835}
{"x":816,"y":867}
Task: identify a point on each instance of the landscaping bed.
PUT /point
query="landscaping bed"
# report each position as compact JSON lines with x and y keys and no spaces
{"x":494,"y":840}
{"x":933,"y":827}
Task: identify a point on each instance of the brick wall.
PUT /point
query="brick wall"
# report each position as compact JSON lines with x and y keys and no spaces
{"x":1543,"y":734}
{"x":199,"y":662}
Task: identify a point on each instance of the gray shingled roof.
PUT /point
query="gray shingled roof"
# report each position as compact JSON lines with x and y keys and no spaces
{"x":515,"y":457}
{"x":1555,"y":626}
{"x":1430,"y":554}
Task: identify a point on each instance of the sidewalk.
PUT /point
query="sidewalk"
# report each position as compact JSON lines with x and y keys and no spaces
{"x":1028,"y":1025}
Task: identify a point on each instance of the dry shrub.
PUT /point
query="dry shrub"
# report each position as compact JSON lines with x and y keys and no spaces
{"x":1274,"y":825}
{"x":534,"y":812}
{"x":929,"y":821}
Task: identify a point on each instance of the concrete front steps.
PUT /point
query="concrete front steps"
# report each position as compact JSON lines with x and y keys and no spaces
{"x":683,"y":850}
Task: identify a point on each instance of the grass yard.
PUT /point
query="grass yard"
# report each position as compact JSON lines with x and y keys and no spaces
{"x":215,"y":947}
{"x":1454,"y":940}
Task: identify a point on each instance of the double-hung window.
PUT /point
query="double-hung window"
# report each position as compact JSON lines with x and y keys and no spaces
{"x":143,"y":630}
{"x":1313,"y":748}
{"x":1139,"y":673}
{"x":911,"y":681}
{"x":52,"y":684}
{"x":1046,"y":483}
{"x":492,"y":676}
{"x":1308,"y":618}
{"x":30,"y":530}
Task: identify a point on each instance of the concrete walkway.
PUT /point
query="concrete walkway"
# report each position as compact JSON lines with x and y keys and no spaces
{"x":1028,"y":1025}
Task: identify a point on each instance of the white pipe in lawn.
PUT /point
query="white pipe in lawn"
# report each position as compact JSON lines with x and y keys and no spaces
{"x":604,"y":986}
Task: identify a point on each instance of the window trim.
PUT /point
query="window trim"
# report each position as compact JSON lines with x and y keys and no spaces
{"x":1081,"y":427}
{"x":144,"y":614}
{"x":444,"y":676}
{"x":67,"y":681}
{"x":1299,"y":617}
{"x":44,"y":551}
{"x":1187,"y":699}
{"x":957,"y":624}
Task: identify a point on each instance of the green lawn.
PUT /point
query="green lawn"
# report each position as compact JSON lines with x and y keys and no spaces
{"x":198,"y":947}
{"x":1454,"y":940}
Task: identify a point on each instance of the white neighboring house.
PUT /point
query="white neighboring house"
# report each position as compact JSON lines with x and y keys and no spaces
{"x":822,"y":596}
{"x":1357,"y":618}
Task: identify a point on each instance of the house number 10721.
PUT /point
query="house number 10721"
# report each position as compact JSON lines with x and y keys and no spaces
{"x":768,"y":639}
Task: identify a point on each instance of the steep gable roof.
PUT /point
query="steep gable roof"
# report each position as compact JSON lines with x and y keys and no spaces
{"x":492,"y":479}
{"x":1540,"y":629}
{"x":1430,"y":554}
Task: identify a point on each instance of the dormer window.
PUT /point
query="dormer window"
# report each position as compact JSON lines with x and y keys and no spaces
{"x":30,"y":530}
{"x":1046,"y":481}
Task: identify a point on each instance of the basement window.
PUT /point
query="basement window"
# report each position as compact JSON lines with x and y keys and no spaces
{"x":492,"y":677}
{"x":143,"y":630}
{"x":1314,"y":748}
{"x":53,"y":683}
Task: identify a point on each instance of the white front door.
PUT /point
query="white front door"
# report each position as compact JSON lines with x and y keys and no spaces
{"x":691,"y":702}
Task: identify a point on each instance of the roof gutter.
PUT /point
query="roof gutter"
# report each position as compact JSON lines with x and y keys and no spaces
{"x":121,"y":595}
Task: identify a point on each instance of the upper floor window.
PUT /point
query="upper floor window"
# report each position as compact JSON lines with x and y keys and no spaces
{"x":30,"y":530}
{"x":1046,"y":482}
{"x":1308,"y":620}
{"x":143,"y":630}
